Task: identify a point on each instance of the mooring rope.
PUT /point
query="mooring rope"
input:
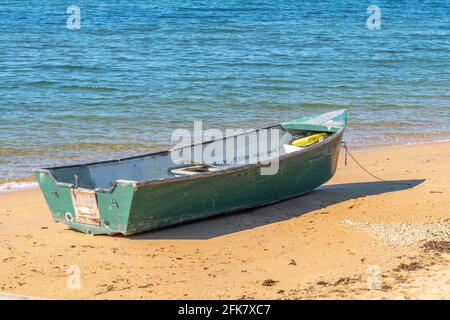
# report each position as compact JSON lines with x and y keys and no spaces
{"x":344,"y":145}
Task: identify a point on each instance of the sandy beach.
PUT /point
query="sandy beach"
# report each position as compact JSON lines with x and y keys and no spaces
{"x":354,"y":237}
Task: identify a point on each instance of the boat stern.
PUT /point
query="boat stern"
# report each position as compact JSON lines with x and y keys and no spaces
{"x":92,"y":211}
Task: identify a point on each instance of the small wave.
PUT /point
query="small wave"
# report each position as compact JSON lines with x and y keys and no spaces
{"x":16,"y":186}
{"x":88,"y":88}
{"x":101,"y":147}
{"x":419,"y":135}
{"x":323,"y":105}
{"x":42,"y":83}
{"x":5,"y":152}
{"x":67,"y":67}
{"x":74,"y":67}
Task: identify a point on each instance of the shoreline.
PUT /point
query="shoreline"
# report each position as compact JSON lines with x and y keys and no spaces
{"x":352,"y":238}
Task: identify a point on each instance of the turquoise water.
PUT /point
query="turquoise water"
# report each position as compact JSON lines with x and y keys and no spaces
{"x":137,"y":70}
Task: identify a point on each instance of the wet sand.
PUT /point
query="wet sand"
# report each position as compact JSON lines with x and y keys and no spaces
{"x":355,"y":237}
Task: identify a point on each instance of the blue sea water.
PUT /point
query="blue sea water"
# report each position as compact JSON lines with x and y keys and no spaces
{"x":137,"y":70}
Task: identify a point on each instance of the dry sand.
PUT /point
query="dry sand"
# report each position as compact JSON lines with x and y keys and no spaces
{"x":352,"y":238}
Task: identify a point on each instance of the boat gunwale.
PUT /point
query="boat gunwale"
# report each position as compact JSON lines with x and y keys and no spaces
{"x":241,"y":167}
{"x":148,"y":154}
{"x":138,"y":184}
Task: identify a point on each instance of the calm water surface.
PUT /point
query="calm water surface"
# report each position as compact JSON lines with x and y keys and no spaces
{"x":137,"y":70}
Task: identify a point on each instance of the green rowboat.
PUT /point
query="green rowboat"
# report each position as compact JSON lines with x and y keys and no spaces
{"x":151,"y":191}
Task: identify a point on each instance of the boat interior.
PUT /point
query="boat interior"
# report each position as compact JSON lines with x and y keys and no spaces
{"x":248,"y":148}
{"x":251,"y":147}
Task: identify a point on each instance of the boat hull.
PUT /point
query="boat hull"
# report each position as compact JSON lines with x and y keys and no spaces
{"x":132,"y":207}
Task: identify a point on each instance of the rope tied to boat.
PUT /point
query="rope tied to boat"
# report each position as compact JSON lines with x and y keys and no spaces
{"x":347,"y":152}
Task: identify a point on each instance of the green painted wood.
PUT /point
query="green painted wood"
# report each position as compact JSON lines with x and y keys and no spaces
{"x":159,"y":205}
{"x":331,"y":122}
{"x":58,"y":198}
{"x":114,"y":214}
{"x":132,"y":207}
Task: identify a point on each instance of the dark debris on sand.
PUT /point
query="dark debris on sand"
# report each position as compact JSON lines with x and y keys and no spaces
{"x":269,"y":282}
{"x":413,"y":266}
{"x":437,"y":246}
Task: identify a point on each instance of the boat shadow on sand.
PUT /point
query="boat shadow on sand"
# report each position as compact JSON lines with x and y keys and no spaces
{"x":320,"y":198}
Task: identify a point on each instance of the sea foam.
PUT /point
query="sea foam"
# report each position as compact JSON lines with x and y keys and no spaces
{"x":17,"y":186}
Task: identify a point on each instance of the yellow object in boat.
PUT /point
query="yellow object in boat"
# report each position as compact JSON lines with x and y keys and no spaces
{"x":307,"y":141}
